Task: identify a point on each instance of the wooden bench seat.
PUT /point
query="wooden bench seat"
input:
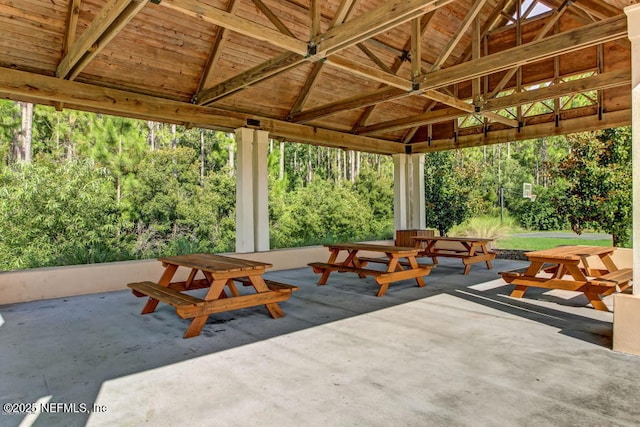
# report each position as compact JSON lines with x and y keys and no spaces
{"x":271,"y":284}
{"x":619,"y":278}
{"x":386,"y":261}
{"x":319,"y":267}
{"x":165,"y":295}
{"x":509,"y":275}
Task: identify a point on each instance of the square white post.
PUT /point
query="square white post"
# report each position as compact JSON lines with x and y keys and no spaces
{"x":400,"y":208}
{"x":417,"y":215}
{"x":260,"y":190}
{"x":244,"y":191}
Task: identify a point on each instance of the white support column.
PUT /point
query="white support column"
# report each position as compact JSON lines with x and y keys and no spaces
{"x":260,"y":190}
{"x":244,"y":191}
{"x":400,"y":208}
{"x":415,"y":192}
{"x":633,"y":26}
{"x":626,"y":314}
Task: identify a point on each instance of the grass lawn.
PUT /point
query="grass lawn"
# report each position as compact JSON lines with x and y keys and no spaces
{"x":537,"y":243}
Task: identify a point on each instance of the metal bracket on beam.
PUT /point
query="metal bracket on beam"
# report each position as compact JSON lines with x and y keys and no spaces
{"x":253,"y":123}
{"x":405,"y":56}
{"x":520,"y":125}
{"x":415,"y":86}
{"x":429,"y":141}
{"x":155,"y":1}
{"x":408,"y":149}
{"x":600,"y":112}
{"x":312,"y":49}
{"x":557,"y":120}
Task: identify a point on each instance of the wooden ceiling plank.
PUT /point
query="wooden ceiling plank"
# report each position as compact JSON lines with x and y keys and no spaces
{"x":568,"y":41}
{"x":101,"y":23}
{"x":466,"y":107}
{"x":237,"y":24}
{"x":45,"y":89}
{"x":464,"y":26}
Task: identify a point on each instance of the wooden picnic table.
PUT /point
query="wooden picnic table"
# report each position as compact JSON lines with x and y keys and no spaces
{"x":569,"y":268}
{"x":470,"y":250}
{"x":400,"y":261}
{"x":216,"y":272}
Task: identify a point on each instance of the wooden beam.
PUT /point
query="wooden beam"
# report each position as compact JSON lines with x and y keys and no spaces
{"x":416,"y":50}
{"x":341,"y":15}
{"x":597,"y":82}
{"x":216,"y":50}
{"x":235,"y":23}
{"x":565,"y":127}
{"x":598,"y":9}
{"x":602,"y":81}
{"x":314,"y":12}
{"x":99,"y":33}
{"x":270,"y":68}
{"x":569,"y":41}
{"x":373,"y":57}
{"x":273,"y":18}
{"x":381,"y":95}
{"x":43,"y":89}
{"x":437,"y":116}
{"x":369,"y":24}
{"x":72,"y":26}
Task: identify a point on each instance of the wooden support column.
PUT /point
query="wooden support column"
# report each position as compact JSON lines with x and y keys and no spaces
{"x":626,"y":314}
{"x":252,"y":192}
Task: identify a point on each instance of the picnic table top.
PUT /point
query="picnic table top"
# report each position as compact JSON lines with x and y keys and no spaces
{"x":453,"y":239}
{"x":573,"y":252}
{"x":214,"y":263}
{"x":372,"y":247}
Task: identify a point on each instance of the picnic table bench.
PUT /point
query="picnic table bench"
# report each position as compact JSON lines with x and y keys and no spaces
{"x":470,"y":250}
{"x":400,"y":261}
{"x":219,"y":273}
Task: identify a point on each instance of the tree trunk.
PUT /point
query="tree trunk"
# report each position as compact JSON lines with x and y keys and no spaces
{"x":201,"y":157}
{"x":26,"y":130}
{"x":281,"y":171}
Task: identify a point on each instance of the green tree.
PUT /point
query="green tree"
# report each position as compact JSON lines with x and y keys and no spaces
{"x":596,"y":177}
{"x":446,"y":195}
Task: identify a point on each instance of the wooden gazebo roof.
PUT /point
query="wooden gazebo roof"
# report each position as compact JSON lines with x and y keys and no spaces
{"x":397,"y":76}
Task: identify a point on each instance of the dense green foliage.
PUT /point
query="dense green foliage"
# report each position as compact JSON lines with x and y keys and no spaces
{"x":103,"y":188}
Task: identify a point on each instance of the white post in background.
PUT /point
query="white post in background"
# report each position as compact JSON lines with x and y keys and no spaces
{"x":415,"y":192}
{"x":244,"y":191}
{"x":626,"y":308}
{"x":400,"y":208}
{"x":260,"y":190}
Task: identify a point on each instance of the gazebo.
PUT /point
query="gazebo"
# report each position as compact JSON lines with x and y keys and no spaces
{"x":400,"y":78}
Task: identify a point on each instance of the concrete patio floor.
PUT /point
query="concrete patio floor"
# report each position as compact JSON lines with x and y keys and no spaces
{"x":458,"y":352}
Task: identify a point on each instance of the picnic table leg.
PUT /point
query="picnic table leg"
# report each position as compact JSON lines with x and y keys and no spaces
{"x":518,"y":291}
{"x":414,"y":264}
{"x":273,"y":308}
{"x":195,"y":327}
{"x":596,"y":301}
{"x":471,"y":251}
{"x":167,"y":275}
{"x":382,"y":289}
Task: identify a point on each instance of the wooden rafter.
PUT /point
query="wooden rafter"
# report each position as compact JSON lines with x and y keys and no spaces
{"x":72,"y":25}
{"x":216,"y":49}
{"x":345,"y":8}
{"x":569,"y":41}
{"x":466,"y":23}
{"x":235,"y":23}
{"x":281,"y":26}
{"x":112,"y":18}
